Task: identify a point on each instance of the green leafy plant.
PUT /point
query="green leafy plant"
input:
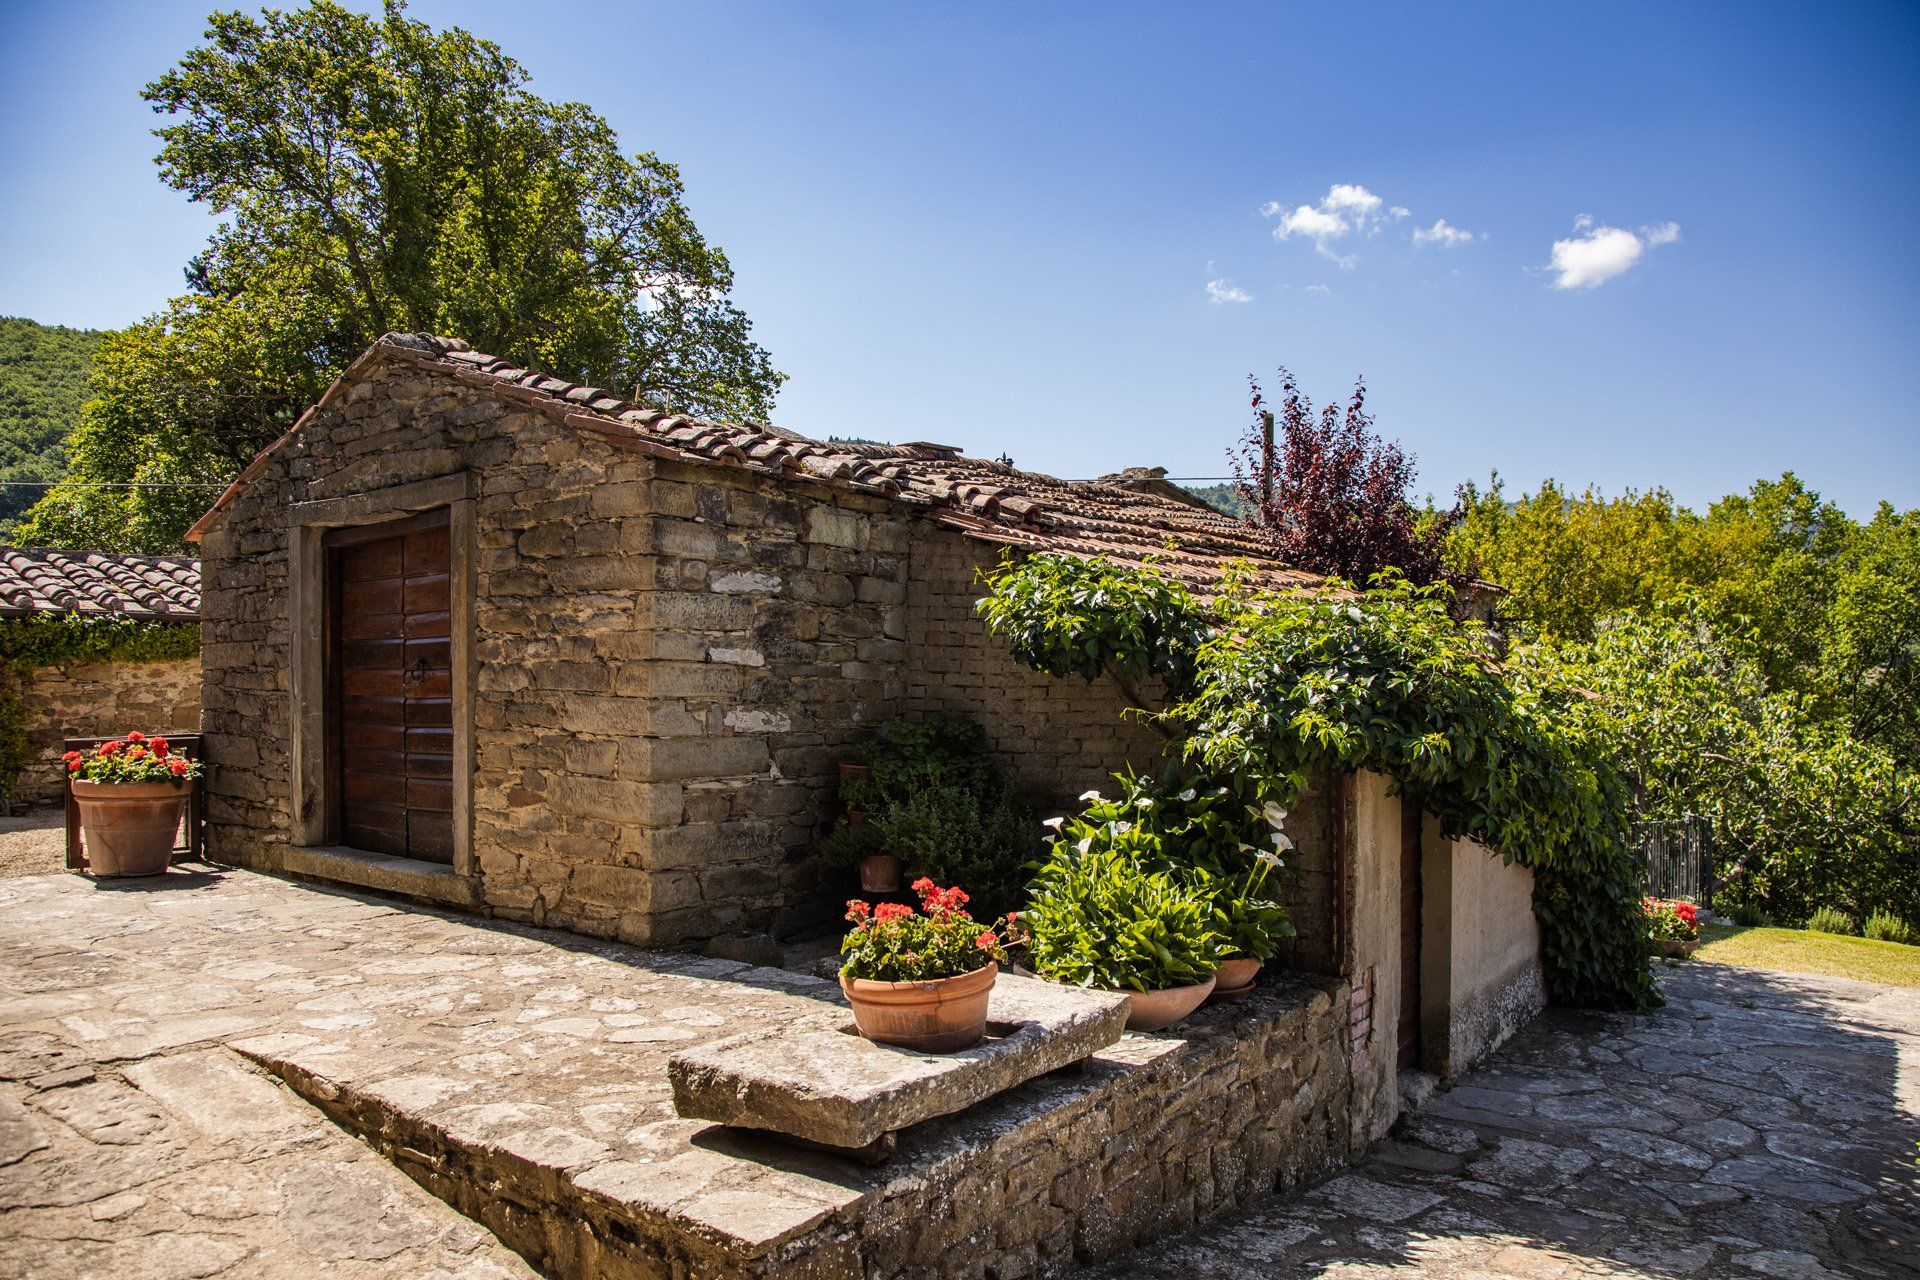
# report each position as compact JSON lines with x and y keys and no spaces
{"x":933,"y":799}
{"x":894,"y":943}
{"x":1883,"y":926}
{"x":1831,"y":920}
{"x":1747,"y":915}
{"x":1100,"y":919}
{"x":1266,"y":687}
{"x":135,"y":758}
{"x":1215,"y":839}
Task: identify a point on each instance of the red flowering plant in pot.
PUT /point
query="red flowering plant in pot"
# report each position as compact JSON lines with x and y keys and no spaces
{"x":1673,"y":926}
{"x":920,"y":979}
{"x":130,"y":792}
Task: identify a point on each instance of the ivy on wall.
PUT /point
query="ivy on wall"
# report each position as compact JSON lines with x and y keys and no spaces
{"x":27,"y":644}
{"x":1262,"y":688}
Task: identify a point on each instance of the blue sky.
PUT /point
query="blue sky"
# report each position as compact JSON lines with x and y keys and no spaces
{"x":996,"y":225}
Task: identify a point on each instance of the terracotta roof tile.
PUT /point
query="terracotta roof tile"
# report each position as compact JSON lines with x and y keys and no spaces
{"x":39,"y":581}
{"x":987,"y":500}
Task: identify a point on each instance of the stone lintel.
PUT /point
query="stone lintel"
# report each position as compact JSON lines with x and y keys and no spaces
{"x":814,"y":1079}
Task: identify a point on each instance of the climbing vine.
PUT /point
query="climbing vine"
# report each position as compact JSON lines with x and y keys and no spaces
{"x":58,"y":639}
{"x":1263,"y":688}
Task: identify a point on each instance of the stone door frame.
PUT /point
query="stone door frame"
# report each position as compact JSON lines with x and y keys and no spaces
{"x":312,"y":812}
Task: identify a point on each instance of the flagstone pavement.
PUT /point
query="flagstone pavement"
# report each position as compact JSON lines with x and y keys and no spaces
{"x":1760,"y":1126}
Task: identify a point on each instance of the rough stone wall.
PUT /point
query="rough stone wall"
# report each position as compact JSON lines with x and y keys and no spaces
{"x":1160,"y":1133}
{"x":779,"y":642}
{"x":1057,"y":737}
{"x":669,"y":659}
{"x":1311,"y":891}
{"x":561,"y":565}
{"x":93,"y":700}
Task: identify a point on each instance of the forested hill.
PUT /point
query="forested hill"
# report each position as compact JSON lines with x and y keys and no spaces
{"x":1221,"y":497}
{"x":43,"y":383}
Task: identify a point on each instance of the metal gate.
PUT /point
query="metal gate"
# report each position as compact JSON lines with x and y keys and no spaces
{"x":1677,"y":858}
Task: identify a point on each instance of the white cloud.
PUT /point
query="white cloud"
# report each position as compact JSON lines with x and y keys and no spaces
{"x":1589,"y":260}
{"x":1349,"y":209}
{"x":1442,"y":233}
{"x":1318,"y":288}
{"x":1223,"y":290}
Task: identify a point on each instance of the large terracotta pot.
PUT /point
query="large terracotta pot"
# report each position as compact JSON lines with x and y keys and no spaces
{"x":1675,"y":948}
{"x":1153,"y":1010}
{"x":943,"y":1016}
{"x":880,"y":873}
{"x":1235,"y":976}
{"x":129,"y":827}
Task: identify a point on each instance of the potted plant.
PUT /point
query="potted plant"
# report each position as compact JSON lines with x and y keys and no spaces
{"x":1673,"y":926}
{"x":130,"y":793}
{"x":1098,"y":918}
{"x":920,"y":979}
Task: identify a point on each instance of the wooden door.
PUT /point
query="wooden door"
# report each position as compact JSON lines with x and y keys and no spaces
{"x":1409,"y":934}
{"x":390,"y":684}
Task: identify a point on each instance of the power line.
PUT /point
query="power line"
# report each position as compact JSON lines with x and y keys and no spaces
{"x":111,"y":484}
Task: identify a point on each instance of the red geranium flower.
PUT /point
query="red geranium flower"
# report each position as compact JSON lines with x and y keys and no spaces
{"x":111,"y":748}
{"x":892,"y":911}
{"x":178,"y":765}
{"x":858,"y":910}
{"x":158,"y":746}
{"x":136,"y":736}
{"x":986,"y":941}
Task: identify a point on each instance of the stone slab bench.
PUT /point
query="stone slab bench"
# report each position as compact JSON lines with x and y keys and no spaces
{"x":815,"y":1080}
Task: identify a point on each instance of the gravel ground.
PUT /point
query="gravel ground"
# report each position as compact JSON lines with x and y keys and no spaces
{"x":33,"y":843}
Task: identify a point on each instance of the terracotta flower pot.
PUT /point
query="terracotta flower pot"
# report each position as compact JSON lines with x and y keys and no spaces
{"x":880,"y":873}
{"x":1235,"y":975}
{"x":1677,"y":948}
{"x":943,"y":1016}
{"x":1152,"y":1010}
{"x":129,"y":826}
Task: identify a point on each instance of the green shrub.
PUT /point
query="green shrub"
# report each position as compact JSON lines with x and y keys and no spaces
{"x":1831,"y":920}
{"x":934,"y":800}
{"x":1206,"y":836}
{"x":1884,"y":926}
{"x":1102,"y":920}
{"x":1748,"y":915}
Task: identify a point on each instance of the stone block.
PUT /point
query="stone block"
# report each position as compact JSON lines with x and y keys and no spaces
{"x":813,"y":1079}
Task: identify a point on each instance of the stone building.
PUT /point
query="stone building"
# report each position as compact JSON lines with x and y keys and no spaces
{"x":482,"y":637}
{"x":83,"y":697}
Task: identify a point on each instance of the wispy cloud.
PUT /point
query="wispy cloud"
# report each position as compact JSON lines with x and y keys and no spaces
{"x":1224,"y":290}
{"x":1442,"y":233}
{"x":1597,"y":253}
{"x":1350,"y":210}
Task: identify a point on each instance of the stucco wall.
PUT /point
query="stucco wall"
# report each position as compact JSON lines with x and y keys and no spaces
{"x":97,"y":699}
{"x":1480,"y":968}
{"x":1372,"y":951}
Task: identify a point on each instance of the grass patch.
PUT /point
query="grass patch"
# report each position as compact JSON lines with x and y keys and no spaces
{"x":1798,"y":951}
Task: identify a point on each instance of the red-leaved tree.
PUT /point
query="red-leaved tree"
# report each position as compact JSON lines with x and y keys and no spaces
{"x":1329,"y":493}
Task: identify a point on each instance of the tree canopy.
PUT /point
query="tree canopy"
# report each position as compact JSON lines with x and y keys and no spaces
{"x":43,"y":383}
{"x":377,"y":175}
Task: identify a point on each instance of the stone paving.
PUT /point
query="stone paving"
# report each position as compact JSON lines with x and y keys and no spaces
{"x":1761,"y":1125}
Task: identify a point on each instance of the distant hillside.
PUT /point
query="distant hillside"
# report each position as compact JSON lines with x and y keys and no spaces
{"x":43,"y":383}
{"x":1221,"y":497}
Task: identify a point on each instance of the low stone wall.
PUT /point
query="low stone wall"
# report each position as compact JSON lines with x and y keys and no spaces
{"x":1151,"y":1135}
{"x":94,"y":699}
{"x":1242,"y":1101}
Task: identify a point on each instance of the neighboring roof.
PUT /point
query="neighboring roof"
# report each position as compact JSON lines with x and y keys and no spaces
{"x":990,"y":501}
{"x":1154,"y":480}
{"x":37,"y":580}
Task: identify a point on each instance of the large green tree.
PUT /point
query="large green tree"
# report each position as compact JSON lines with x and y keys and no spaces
{"x":43,"y":383}
{"x":377,"y":175}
